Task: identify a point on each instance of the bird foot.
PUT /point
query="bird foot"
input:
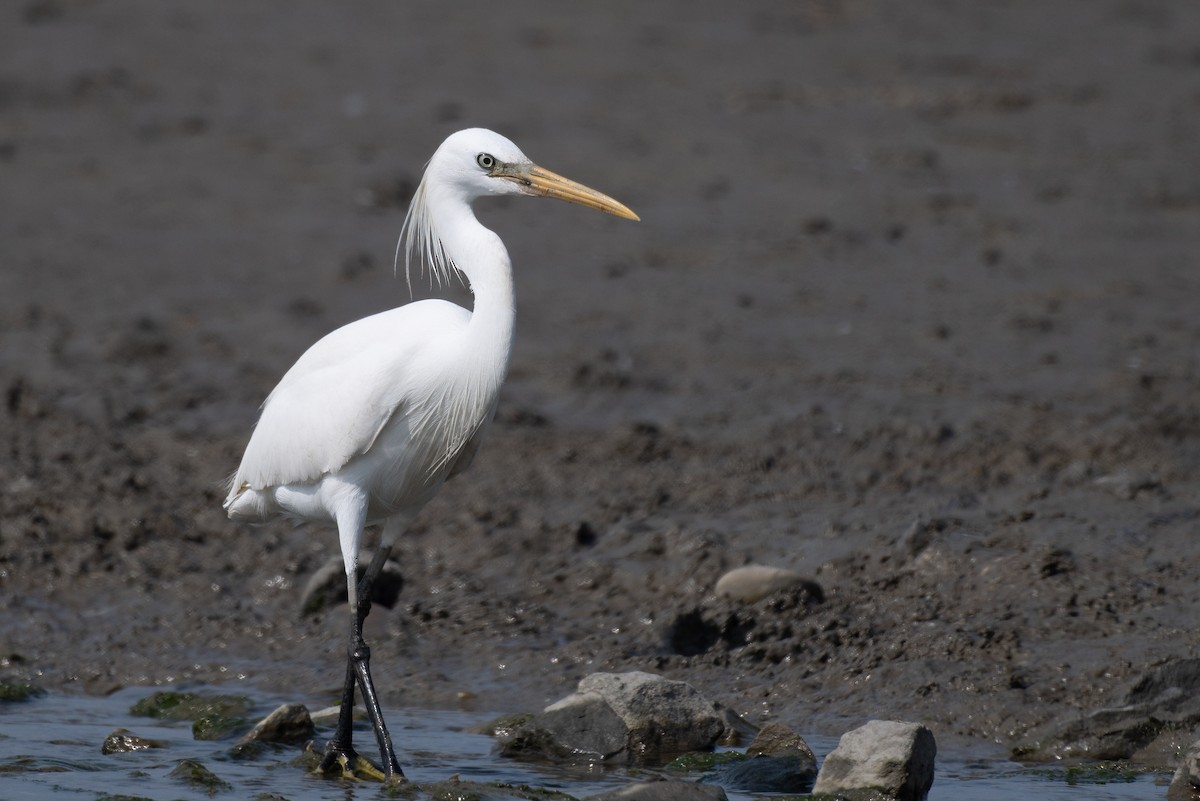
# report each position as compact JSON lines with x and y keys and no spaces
{"x":346,"y":763}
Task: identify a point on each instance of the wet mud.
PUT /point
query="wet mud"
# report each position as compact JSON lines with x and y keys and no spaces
{"x":911,"y":310}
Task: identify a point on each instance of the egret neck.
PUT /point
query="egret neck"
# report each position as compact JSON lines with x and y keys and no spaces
{"x":479,"y":254}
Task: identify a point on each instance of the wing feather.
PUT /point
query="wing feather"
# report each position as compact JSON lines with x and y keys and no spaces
{"x":333,"y":403}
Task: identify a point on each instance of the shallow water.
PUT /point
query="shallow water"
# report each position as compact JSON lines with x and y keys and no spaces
{"x":50,"y":747}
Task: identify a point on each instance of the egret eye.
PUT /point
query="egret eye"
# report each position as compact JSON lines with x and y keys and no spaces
{"x":486,"y":160}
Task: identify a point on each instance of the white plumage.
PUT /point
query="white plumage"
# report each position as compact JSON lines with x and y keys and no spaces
{"x":376,"y":416}
{"x":383,"y":400}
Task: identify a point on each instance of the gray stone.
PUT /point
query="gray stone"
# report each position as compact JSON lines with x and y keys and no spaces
{"x":882,"y":759}
{"x":663,"y":717}
{"x":583,"y":724}
{"x":752,"y":583}
{"x":194,"y":773}
{"x":777,"y":739}
{"x":664,"y":791}
{"x":328,"y":715}
{"x":289,"y":724}
{"x":635,"y":716}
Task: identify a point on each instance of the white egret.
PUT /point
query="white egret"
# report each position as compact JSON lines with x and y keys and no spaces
{"x":376,"y":416}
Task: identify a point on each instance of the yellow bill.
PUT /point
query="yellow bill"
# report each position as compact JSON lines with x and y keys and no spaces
{"x":542,"y":182}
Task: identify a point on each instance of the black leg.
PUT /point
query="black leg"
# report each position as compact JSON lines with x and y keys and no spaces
{"x":339,"y":753}
{"x":340,"y":756}
{"x":361,"y":656}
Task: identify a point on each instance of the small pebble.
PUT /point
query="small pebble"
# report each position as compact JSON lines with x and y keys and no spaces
{"x":754,"y":582}
{"x":122,"y":741}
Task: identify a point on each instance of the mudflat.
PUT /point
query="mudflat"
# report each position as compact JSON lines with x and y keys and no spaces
{"x":912,"y":310}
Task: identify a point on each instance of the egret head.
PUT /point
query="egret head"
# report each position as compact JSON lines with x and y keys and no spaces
{"x":480,"y":162}
{"x":475,"y":163}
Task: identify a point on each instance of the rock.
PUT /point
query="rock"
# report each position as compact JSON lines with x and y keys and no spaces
{"x":216,"y":725}
{"x":882,"y":759}
{"x":290,"y":724}
{"x":737,"y":728}
{"x":327,"y":716}
{"x":1105,"y":734}
{"x":582,"y":724}
{"x":637,"y":717}
{"x":780,"y":762}
{"x":17,"y":691}
{"x":752,"y":583}
{"x":1185,"y":784}
{"x":212,"y":716}
{"x":169,"y":705}
{"x":327,"y":587}
{"x":122,"y":741}
{"x":769,"y":774}
{"x":189,"y":771}
{"x":776,"y":739}
{"x":1161,"y":702}
{"x":664,"y":791}
{"x":504,"y":726}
